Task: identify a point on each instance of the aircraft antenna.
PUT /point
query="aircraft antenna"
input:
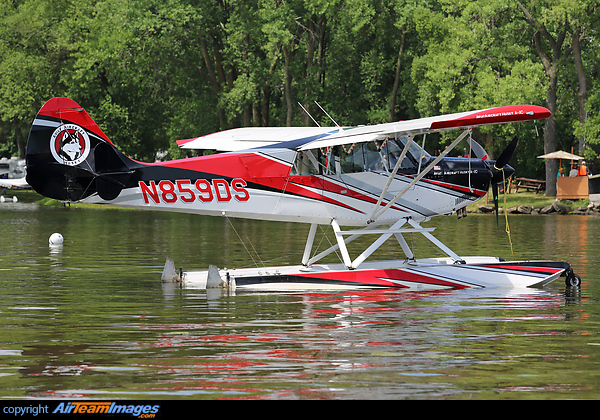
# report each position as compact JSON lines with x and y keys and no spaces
{"x":308,"y":113}
{"x":329,"y":116}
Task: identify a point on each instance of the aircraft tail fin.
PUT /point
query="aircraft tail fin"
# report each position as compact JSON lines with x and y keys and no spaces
{"x":69,"y":158}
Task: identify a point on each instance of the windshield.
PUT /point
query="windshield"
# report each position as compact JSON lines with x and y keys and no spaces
{"x":378,"y":156}
{"x":416,"y":151}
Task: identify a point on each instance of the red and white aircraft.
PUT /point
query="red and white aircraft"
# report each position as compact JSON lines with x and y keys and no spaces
{"x":371,"y":180}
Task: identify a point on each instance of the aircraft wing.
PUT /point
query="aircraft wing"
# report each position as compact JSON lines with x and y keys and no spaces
{"x":462,"y":120}
{"x":304,"y":138}
{"x":14,"y":183}
{"x":251,"y":137}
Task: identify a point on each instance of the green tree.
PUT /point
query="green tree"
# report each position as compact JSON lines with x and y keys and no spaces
{"x":549,"y":31}
{"x":31,"y":56}
{"x":474,"y":58}
{"x":586,"y":59}
{"x":153,"y":71}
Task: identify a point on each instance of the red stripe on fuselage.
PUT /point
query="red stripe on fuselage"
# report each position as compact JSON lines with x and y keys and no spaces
{"x":313,"y":181}
{"x":269,"y":173}
{"x":256,"y":169}
{"x":549,"y":270}
{"x":273,"y":174}
{"x":457,"y":187}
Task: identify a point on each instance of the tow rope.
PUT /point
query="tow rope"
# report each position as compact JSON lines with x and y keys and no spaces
{"x":506,"y":214}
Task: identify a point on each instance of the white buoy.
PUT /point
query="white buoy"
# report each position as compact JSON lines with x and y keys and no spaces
{"x":56,"y":239}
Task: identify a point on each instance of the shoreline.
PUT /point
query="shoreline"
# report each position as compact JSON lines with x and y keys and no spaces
{"x":534,"y":204}
{"x":555,"y":208}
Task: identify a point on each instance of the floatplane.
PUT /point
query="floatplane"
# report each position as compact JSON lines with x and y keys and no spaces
{"x":366,"y":180}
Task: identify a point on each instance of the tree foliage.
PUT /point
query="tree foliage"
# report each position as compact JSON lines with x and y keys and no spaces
{"x":154,"y":71}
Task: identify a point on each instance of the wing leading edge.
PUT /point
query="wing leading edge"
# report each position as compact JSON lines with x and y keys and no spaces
{"x":304,"y":138}
{"x":462,"y":120}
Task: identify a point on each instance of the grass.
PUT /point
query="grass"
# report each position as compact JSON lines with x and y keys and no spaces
{"x":30,"y":196}
{"x":24,"y":196}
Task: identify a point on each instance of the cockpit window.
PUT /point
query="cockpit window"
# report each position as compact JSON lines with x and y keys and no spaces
{"x":306,"y":163}
{"x":377,"y":156}
{"x":416,"y":151}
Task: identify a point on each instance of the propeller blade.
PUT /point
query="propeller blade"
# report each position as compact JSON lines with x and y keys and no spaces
{"x":477,"y":149}
{"x":506,"y":154}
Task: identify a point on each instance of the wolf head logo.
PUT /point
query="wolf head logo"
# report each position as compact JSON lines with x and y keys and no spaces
{"x":70,"y":144}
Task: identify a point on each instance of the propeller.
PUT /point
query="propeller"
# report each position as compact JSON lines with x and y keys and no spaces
{"x":477,"y":149}
{"x":496,"y":168}
{"x":495,"y":196}
{"x":506,"y":154}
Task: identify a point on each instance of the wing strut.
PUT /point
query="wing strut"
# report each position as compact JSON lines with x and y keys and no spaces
{"x":391,"y":177}
{"x":421,"y":174}
{"x":356,"y":234}
{"x":384,"y":234}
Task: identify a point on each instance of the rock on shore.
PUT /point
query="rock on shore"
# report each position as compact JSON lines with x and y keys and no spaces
{"x":555,"y":207}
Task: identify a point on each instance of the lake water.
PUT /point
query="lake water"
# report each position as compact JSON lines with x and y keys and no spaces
{"x":92,"y":320}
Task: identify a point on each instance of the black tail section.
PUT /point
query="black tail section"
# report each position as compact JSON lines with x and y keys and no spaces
{"x":69,"y":158}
